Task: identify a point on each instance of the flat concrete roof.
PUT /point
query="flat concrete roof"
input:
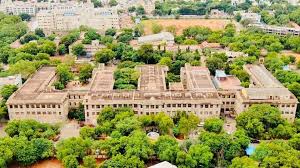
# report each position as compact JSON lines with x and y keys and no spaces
{"x":35,"y":88}
{"x":228,"y":83}
{"x":152,"y":77}
{"x":261,"y":76}
{"x":198,"y":78}
{"x":103,"y":79}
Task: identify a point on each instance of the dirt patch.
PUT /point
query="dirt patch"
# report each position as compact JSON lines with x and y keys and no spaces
{"x":181,"y":24}
{"x":288,"y":53}
{"x":53,"y":163}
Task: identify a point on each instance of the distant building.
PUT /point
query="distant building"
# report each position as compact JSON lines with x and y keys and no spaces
{"x":215,"y":13}
{"x":17,"y":7}
{"x":231,"y":54}
{"x":148,"y":5}
{"x":252,"y":17}
{"x":90,"y":49}
{"x":157,"y":39}
{"x":67,"y":17}
{"x":11,"y":80}
{"x":293,"y":2}
{"x":237,"y":2}
{"x":279,"y":30}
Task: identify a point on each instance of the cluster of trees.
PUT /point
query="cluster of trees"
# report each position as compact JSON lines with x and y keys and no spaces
{"x":129,"y":146}
{"x":265,"y":122}
{"x":196,"y":34}
{"x":67,"y":40}
{"x":171,"y":7}
{"x":5,"y":92}
{"x":126,"y":76}
{"x":64,"y":75}
{"x":89,"y":36}
{"x":139,"y":10}
{"x":27,"y":142}
{"x":36,"y":35}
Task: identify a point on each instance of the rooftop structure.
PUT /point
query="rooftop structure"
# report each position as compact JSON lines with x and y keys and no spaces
{"x":156,"y":39}
{"x":103,"y":79}
{"x":279,"y":30}
{"x":153,"y":78}
{"x":265,"y":88}
{"x":226,"y":82}
{"x":261,"y":77}
{"x":11,"y":80}
{"x":196,"y":78}
{"x":164,"y":164}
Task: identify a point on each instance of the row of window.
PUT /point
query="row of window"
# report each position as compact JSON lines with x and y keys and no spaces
{"x":287,"y":112}
{"x":156,"y":106}
{"x":228,"y":103}
{"x":35,"y":106}
{"x":227,"y":96}
{"x":168,"y":112}
{"x":38,"y":113}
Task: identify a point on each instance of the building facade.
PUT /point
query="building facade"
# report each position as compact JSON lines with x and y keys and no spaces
{"x":67,"y":17}
{"x":196,"y":93}
{"x":278,"y":30}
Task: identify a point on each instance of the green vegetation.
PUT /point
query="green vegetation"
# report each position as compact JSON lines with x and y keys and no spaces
{"x":5,"y":92}
{"x":64,"y":76}
{"x":126,"y":76}
{"x":265,"y":122}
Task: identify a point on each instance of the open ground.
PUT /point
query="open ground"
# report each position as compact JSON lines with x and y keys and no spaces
{"x":181,"y":24}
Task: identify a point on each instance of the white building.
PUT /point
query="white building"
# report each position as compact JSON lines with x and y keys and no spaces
{"x":252,"y":17}
{"x":157,"y":39}
{"x":237,"y":2}
{"x":277,"y":29}
{"x":11,"y":80}
{"x":67,"y":17}
{"x":17,"y":7}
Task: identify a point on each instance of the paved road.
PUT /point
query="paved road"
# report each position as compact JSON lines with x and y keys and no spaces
{"x":70,"y":129}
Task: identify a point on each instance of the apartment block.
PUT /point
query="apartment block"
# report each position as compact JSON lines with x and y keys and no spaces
{"x":67,"y":17}
{"x":17,"y":7}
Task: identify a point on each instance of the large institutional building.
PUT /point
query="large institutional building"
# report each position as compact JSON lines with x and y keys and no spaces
{"x":64,"y":16}
{"x":197,"y":93}
{"x":69,"y":16}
